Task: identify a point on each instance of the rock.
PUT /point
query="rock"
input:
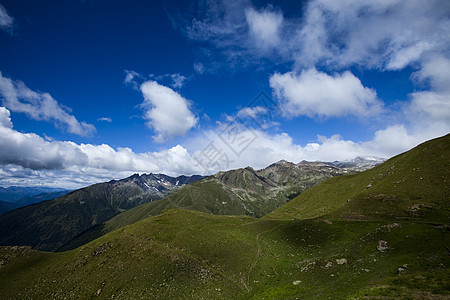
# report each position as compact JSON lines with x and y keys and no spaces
{"x":369,"y":186}
{"x":401,"y":271}
{"x":328,"y":265}
{"x":382,"y":246}
{"x":99,"y":291}
{"x":341,"y":261}
{"x":389,"y":227}
{"x":296,"y":282}
{"x":305,"y":265}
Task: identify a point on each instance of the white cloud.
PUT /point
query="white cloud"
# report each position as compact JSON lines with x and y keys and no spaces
{"x":27,"y":154}
{"x":267,"y":148}
{"x":167,"y":112}
{"x":432,"y":106}
{"x":17,"y":97}
{"x":105,"y":119}
{"x":130,"y":78}
{"x":199,"y":68}
{"x":251,"y":112}
{"x":264,"y":26}
{"x":28,"y":159}
{"x":5,"y":120}
{"x":6,"y":21}
{"x":178,"y":80}
{"x":383,"y":34}
{"x":314,"y":93}
{"x":386,"y":34}
{"x":175,"y":80}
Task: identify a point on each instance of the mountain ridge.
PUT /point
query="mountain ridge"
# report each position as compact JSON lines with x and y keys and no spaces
{"x":243,"y":191}
{"x":50,"y":224}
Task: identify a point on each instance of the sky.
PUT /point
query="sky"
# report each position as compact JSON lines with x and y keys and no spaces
{"x":94,"y":90}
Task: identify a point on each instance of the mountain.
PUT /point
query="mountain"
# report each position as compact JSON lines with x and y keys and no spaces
{"x":50,"y":224}
{"x":237,"y":192}
{"x":14,"y":193}
{"x":40,"y":197}
{"x":371,"y":247}
{"x":8,"y":206}
{"x":247,"y":191}
{"x":359,"y":163}
{"x":413,"y":185}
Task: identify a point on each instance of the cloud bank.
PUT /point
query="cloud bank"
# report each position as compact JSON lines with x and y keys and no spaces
{"x":29,"y":159}
{"x":28,"y":153}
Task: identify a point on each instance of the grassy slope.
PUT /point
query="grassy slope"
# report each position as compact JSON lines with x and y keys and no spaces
{"x":188,"y":254}
{"x":411,"y":185}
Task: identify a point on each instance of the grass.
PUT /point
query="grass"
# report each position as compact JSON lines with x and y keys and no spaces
{"x":188,"y":254}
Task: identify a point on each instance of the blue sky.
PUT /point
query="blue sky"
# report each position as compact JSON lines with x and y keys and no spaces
{"x":97,"y":90}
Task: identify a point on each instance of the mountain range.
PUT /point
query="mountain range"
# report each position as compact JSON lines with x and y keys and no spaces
{"x":88,"y":213}
{"x":50,"y":224}
{"x":236,"y":192}
{"x":378,"y":234}
{"x":15,"y":193}
{"x":6,"y":206}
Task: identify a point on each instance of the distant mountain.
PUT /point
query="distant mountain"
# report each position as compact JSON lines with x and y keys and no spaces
{"x":8,"y":206}
{"x":359,"y":163}
{"x":237,"y":192}
{"x":14,"y":193}
{"x":50,"y":224}
{"x":40,"y":197}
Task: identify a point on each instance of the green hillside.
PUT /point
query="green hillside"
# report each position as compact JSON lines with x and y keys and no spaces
{"x":413,"y":185}
{"x":237,"y":192}
{"x":186,"y":254}
{"x":389,"y":249}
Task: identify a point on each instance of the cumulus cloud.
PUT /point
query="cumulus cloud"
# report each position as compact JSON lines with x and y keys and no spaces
{"x":167,"y":112}
{"x":17,"y":97}
{"x":6,"y":21}
{"x":432,"y":106}
{"x":264,"y":26}
{"x":314,"y":93}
